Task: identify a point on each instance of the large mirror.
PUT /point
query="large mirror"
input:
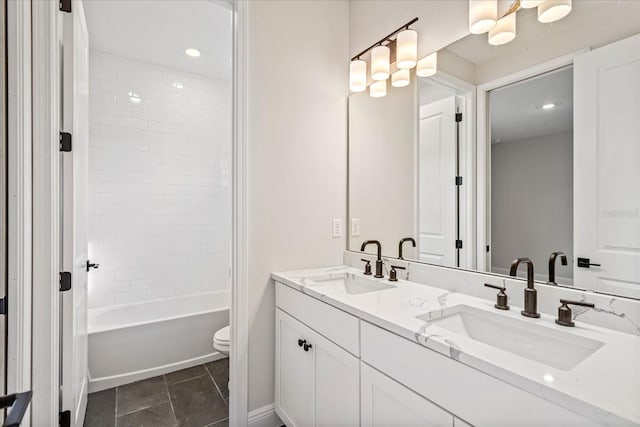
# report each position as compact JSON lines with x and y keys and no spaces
{"x":529,"y":149}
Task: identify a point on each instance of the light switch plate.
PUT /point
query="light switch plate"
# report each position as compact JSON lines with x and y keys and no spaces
{"x":355,"y":226}
{"x":337,"y":227}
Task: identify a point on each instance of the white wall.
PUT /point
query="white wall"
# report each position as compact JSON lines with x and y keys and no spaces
{"x":532,"y":203}
{"x":297,"y":129}
{"x":159,"y":188}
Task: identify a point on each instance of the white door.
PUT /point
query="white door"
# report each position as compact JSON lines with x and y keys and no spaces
{"x":436,"y":182}
{"x":386,"y":403}
{"x":74,"y":214}
{"x":606,"y":134}
{"x":294,"y":372}
{"x":337,"y":384}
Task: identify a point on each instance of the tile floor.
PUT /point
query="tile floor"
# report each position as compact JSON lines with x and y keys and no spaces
{"x":192,"y":397}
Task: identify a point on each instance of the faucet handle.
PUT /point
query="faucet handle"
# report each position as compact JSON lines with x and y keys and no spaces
{"x":502,"y":300}
{"x":565,"y":315}
{"x":367,"y":267}
{"x":393,"y":274}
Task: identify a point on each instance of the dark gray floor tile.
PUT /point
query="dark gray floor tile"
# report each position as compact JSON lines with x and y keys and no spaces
{"x":185,"y":374}
{"x":160,"y":415}
{"x":197,"y":403}
{"x":140,"y":395}
{"x":101,"y":409}
{"x":223,"y":423}
{"x":219,"y":371}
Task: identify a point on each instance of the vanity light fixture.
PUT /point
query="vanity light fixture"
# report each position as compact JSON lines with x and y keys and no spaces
{"x":401,"y":78}
{"x":402,"y":50}
{"x":428,"y":65}
{"x":380,"y":58}
{"x":548,"y":106}
{"x":406,"y":49}
{"x":553,"y":10}
{"x":358,"y":75}
{"x":483,"y":15}
{"x":504,"y":31}
{"x":378,"y":89}
{"x":194,"y":53}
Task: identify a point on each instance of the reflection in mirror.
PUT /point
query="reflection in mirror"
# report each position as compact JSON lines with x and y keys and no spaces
{"x":546,"y":154}
{"x":531,"y":164}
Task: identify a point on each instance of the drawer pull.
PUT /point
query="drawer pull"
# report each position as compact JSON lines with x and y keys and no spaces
{"x":307,"y":347}
{"x":301,"y":343}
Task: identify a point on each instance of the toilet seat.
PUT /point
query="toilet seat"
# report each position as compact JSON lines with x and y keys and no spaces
{"x":221,"y":340}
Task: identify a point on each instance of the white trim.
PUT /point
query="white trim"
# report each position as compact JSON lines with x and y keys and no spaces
{"x":103,"y":383}
{"x":264,"y":417}
{"x":19,"y":205}
{"x":483,"y":148}
{"x":239,"y":354}
{"x":46,"y":125}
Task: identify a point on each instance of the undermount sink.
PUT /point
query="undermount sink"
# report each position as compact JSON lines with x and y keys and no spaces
{"x":558,"y":349}
{"x":348,"y":283}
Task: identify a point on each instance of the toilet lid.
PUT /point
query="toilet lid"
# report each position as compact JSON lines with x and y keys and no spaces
{"x":222,"y":335}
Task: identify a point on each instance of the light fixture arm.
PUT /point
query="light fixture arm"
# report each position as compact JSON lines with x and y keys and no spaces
{"x":387,"y":38}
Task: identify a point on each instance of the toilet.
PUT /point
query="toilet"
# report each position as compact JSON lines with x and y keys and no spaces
{"x":221,"y":340}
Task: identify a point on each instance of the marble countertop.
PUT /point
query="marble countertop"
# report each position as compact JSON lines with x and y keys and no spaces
{"x":604,"y":387}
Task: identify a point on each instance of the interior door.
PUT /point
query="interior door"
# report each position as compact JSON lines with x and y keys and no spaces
{"x":3,"y":202}
{"x":607,"y":168}
{"x":436,"y":182}
{"x":74,"y":213}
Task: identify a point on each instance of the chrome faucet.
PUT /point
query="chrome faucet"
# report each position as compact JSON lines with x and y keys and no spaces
{"x":379,"y":260}
{"x":552,"y":265}
{"x":530,"y":292}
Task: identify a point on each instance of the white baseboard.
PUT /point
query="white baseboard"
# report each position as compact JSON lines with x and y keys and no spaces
{"x":103,"y":383}
{"x":264,"y":417}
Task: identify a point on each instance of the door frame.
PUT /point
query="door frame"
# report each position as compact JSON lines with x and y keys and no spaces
{"x":45,"y":41}
{"x":19,"y":287}
{"x":483,"y":148}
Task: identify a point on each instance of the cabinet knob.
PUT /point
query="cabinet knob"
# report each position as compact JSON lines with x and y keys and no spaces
{"x":301,"y":342}
{"x":307,"y":347}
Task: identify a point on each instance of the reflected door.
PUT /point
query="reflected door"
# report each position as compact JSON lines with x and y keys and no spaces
{"x":436,"y":182}
{"x":607,"y":168}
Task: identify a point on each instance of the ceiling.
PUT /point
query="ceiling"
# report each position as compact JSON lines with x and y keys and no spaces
{"x":516,"y":110}
{"x":159,"y":32}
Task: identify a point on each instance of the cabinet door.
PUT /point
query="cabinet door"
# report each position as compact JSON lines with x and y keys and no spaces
{"x":386,"y":403}
{"x":337,"y":384}
{"x":294,"y":373}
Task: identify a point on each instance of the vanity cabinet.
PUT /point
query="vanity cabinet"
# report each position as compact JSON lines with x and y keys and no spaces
{"x":317,"y":382}
{"x":385,"y":402}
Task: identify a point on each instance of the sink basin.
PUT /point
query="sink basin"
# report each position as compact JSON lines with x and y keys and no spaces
{"x":558,"y":349}
{"x":348,"y":283}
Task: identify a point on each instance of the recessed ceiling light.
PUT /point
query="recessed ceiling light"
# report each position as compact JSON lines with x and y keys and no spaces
{"x":548,"y":106}
{"x":178,"y":85}
{"x":134,"y":97}
{"x":194,"y":53}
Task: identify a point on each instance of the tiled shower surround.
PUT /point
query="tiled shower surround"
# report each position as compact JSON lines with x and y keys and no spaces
{"x":159,"y":181}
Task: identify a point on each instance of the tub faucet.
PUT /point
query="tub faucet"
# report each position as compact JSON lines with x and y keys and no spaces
{"x":530,"y":292}
{"x":379,"y":260}
{"x":401,"y":244}
{"x":552,"y":265}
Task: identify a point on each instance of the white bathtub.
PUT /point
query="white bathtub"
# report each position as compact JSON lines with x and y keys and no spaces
{"x":131,"y":342}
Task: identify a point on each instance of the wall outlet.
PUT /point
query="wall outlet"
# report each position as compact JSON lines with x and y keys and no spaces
{"x":355,"y":226}
{"x":337,"y":228}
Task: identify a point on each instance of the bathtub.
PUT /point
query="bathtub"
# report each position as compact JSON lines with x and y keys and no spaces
{"x":131,"y":342}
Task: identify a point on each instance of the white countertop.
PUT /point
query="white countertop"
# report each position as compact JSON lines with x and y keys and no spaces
{"x":604,"y":387}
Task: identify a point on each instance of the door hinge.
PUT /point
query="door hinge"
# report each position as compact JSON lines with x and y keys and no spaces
{"x":458,"y":117}
{"x":65,"y":141}
{"x":64,"y":418}
{"x":458,"y":180}
{"x":65,"y":281}
{"x":488,"y":248}
{"x":3,"y":305}
{"x":458,"y":244}
{"x":65,"y":6}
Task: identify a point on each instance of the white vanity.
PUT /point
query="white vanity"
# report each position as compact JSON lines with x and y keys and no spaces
{"x":354,"y":350}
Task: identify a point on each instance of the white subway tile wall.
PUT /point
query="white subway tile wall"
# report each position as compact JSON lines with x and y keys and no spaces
{"x":159,"y":181}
